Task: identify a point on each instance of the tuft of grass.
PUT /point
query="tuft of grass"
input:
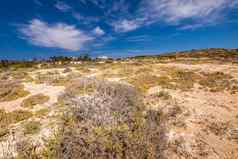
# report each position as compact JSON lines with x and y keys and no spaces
{"x":8,"y":118}
{"x":51,"y":78}
{"x":183,"y":80}
{"x":11,"y":91}
{"x":26,"y":149}
{"x":31,"y":101}
{"x":144,"y":81}
{"x":3,"y":132}
{"x":164,"y":95}
{"x":219,"y":81}
{"x":41,"y":113}
{"x":81,"y":86}
{"x":31,"y":127}
{"x":67,"y":70}
{"x":19,"y":115}
{"x":83,"y":69}
{"x":21,"y":75}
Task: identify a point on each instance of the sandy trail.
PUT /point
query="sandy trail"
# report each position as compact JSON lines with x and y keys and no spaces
{"x":52,"y":91}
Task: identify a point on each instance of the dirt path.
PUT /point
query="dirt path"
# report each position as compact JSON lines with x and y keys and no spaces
{"x":52,"y":91}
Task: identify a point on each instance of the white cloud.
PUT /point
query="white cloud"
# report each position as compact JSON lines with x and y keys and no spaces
{"x":98,"y":31}
{"x":62,"y":6}
{"x":173,"y":11}
{"x":59,"y":35}
{"x":125,"y":25}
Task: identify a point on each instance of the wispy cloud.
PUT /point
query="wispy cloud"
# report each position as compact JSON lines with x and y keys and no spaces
{"x":124,"y":16}
{"x":62,"y":6}
{"x":125,"y":25}
{"x":85,"y":19}
{"x":191,"y":26}
{"x":58,"y":35}
{"x":98,"y":31}
{"x":139,"y":38}
{"x":175,"y":11}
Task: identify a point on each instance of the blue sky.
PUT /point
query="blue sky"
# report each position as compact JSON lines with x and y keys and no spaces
{"x":43,"y":28}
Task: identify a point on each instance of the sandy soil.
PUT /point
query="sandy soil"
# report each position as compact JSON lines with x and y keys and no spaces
{"x":199,"y":124}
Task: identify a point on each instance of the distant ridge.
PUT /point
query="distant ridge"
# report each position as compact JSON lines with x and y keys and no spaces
{"x":211,"y":53}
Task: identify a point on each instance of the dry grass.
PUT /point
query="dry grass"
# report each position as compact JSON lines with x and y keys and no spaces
{"x":164,"y":95}
{"x":175,"y":79}
{"x":11,"y":90}
{"x":8,"y":118}
{"x":31,"y":127}
{"x":31,"y":101}
{"x":183,"y":79}
{"x":219,"y":81}
{"x":144,"y":81}
{"x":41,"y":113}
{"x":21,"y":75}
{"x":51,"y":78}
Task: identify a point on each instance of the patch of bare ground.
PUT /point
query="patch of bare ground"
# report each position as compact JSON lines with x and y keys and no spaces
{"x":32,"y":117}
{"x":199,"y":123}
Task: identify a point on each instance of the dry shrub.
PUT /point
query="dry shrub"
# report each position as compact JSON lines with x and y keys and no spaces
{"x":11,"y":90}
{"x":27,"y":150}
{"x":126,"y":70}
{"x":83,"y":69}
{"x":144,"y":81}
{"x":218,"y":128}
{"x":80,"y":86}
{"x":183,"y":79}
{"x":174,"y":79}
{"x":51,"y":78}
{"x":164,"y":95}
{"x":31,"y":127}
{"x":110,"y":123}
{"x":219,"y":81}
{"x":67,"y":70}
{"x":21,"y":75}
{"x":8,"y":118}
{"x":31,"y":101}
{"x":42,"y":113}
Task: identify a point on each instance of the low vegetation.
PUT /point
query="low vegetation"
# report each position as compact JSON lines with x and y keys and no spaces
{"x":219,"y":81}
{"x":31,"y":127}
{"x":142,"y":107}
{"x":31,"y":101}
{"x":11,"y":90}
{"x":8,"y":118}
{"x":109,"y":124}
